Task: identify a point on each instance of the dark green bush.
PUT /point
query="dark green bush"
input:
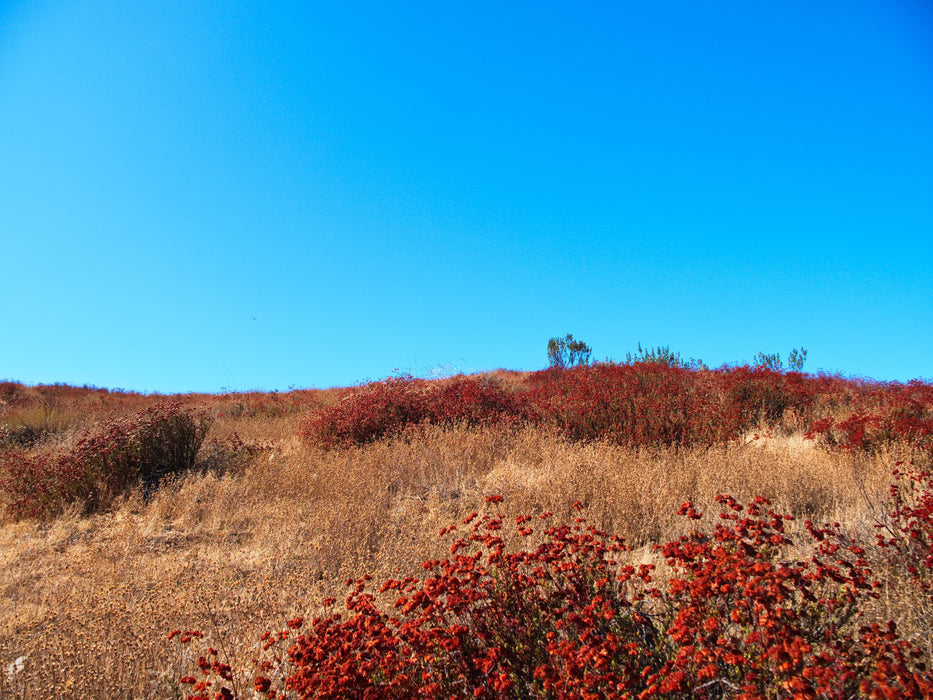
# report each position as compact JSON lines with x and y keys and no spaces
{"x":567,"y":352}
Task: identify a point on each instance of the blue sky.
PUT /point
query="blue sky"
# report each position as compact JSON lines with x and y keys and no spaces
{"x":207,"y":196}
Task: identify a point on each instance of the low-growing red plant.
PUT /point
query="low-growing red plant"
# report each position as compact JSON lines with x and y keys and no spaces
{"x":105,"y":462}
{"x":761,"y":396}
{"x":907,"y":531}
{"x":567,"y":617}
{"x":368,"y":413}
{"x":636,"y":404}
{"x":376,"y":410}
{"x":747,"y":622}
{"x":887,"y":414}
{"x":870,"y":431}
{"x":474,"y":401}
{"x":639,"y":404}
{"x":488,"y":623}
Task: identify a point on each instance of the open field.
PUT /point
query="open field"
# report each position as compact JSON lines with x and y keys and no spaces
{"x":271,"y":521}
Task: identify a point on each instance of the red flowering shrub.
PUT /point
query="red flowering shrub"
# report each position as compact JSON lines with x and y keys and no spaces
{"x":368,"y":413}
{"x":744,"y":622}
{"x":10,"y":393}
{"x":761,"y":396}
{"x":886,"y":414}
{"x":636,"y":404}
{"x":107,"y":461}
{"x":566,"y":617}
{"x":859,"y":431}
{"x":908,"y":531}
{"x":383,"y":408}
{"x":870,"y":431}
{"x":474,"y":401}
{"x":487,"y":623}
{"x":639,"y":404}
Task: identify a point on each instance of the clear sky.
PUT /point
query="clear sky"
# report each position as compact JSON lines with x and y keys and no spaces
{"x":207,"y":196}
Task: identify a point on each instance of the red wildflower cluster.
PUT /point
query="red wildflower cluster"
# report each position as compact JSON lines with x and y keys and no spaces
{"x":636,"y":404}
{"x":568,"y":617}
{"x":907,"y":532}
{"x":384,"y":408}
{"x":746,"y":622}
{"x":640,"y":403}
{"x":890,"y":413}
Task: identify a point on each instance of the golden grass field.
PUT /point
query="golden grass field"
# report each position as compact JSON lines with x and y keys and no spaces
{"x":86,"y":602}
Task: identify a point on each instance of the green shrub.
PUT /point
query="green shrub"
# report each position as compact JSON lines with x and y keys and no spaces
{"x":663,"y":355}
{"x":772,"y":361}
{"x":567,"y":352}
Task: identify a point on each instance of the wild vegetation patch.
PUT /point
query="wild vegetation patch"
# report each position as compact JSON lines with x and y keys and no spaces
{"x":106,"y":462}
{"x":567,"y":616}
{"x":104,"y":548}
{"x":643,"y":403}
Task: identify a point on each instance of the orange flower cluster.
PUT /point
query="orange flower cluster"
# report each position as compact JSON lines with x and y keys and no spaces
{"x":569,"y":618}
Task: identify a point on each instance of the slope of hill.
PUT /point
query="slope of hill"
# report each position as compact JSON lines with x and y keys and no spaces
{"x":234,"y":514}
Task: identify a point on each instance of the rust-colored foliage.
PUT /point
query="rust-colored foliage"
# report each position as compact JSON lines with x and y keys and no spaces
{"x":638,"y":404}
{"x":378,"y":409}
{"x":119,"y":454}
{"x":567,"y":617}
{"x":907,"y":532}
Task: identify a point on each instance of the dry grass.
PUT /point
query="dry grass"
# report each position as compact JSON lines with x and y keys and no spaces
{"x":88,"y":601}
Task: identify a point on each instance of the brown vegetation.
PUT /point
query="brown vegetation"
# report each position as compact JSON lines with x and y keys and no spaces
{"x":267,"y":525}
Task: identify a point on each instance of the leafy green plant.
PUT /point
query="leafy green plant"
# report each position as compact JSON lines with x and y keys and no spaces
{"x":796,"y":359}
{"x":773,"y":362}
{"x":663,"y":355}
{"x":567,"y":352}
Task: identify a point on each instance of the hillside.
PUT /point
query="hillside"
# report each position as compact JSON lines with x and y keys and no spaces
{"x":127,"y":517}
